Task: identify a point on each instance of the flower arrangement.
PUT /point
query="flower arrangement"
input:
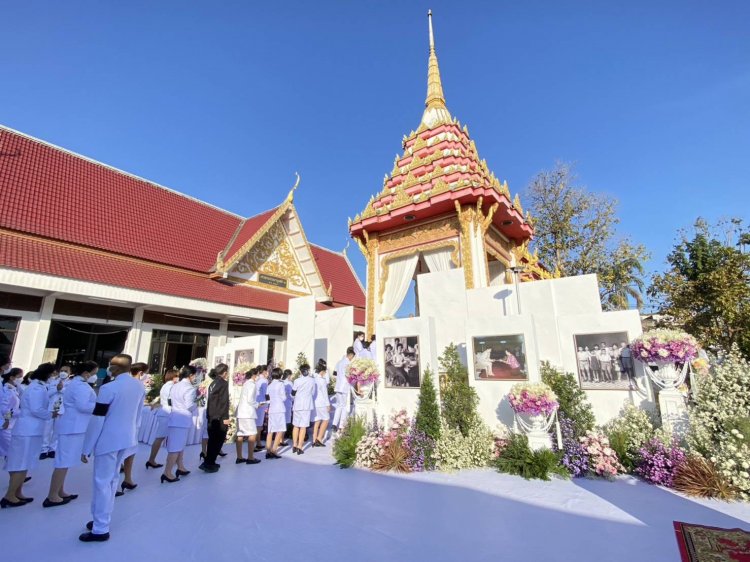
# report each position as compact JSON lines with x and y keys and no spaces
{"x":362,"y":371}
{"x":148,"y":383}
{"x":658,"y":463}
{"x":238,"y":378}
{"x":665,"y":346}
{"x":420,"y":448}
{"x":532,"y":398}
{"x":700,"y":365}
{"x":200,"y":363}
{"x":574,"y":456}
{"x":603,"y":459}
{"x":369,"y":450}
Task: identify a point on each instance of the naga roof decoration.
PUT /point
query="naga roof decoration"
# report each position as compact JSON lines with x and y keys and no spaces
{"x":440,"y":164}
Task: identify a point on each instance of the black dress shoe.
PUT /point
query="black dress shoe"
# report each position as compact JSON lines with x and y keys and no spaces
{"x":240,"y":461}
{"x":284,"y":443}
{"x":149,"y":464}
{"x":7,"y":503}
{"x":26,"y":500}
{"x":42,"y":456}
{"x":275,"y":456}
{"x":48,"y":503}
{"x":51,"y":455}
{"x":300,"y":451}
{"x":209,"y":467}
{"x":222,"y":454}
{"x":70,"y":497}
{"x":252,"y":461}
{"x":26,"y":479}
{"x":165,"y":478}
{"x":179,"y":472}
{"x":258,"y":448}
{"x":90,"y":525}
{"x":202,"y":456}
{"x":118,"y":494}
{"x":93,"y":537}
{"x":126,"y":486}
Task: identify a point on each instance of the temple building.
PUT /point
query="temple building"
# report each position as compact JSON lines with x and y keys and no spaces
{"x":440,"y":208}
{"x":94,"y":261}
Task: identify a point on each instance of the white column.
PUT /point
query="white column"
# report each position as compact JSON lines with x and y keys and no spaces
{"x":218,"y":340}
{"x":478,"y":257}
{"x":42,"y":330}
{"x":133,"y":342}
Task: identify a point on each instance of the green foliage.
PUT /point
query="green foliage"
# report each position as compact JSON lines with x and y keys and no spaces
{"x":301,"y":360}
{"x":629,"y":432}
{"x":741,"y":425}
{"x":706,"y":291}
{"x":454,"y":451}
{"x":575,"y":234}
{"x":574,"y":404}
{"x":345,"y":447}
{"x":459,"y":399}
{"x":518,"y":459}
{"x":157,"y":381}
{"x":427,"y":419}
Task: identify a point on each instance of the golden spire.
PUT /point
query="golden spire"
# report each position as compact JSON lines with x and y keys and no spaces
{"x":435,"y":110}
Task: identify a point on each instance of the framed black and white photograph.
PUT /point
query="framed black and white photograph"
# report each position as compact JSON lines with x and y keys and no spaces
{"x":401,"y":362}
{"x":604,"y":361}
{"x":244,"y":356}
{"x":500,"y":358}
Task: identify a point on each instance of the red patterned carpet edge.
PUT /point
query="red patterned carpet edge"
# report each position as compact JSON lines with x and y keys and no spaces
{"x":699,"y":543}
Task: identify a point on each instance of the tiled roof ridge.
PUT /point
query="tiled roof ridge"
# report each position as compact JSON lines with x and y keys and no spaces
{"x":346,"y":259}
{"x":117,"y":170}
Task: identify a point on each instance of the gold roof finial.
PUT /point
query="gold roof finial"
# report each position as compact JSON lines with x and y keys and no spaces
{"x":435,"y":110}
{"x":290,"y":197}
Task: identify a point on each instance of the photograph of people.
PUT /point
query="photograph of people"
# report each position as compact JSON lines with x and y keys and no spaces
{"x":402,"y":362}
{"x":500,"y":358}
{"x":604,"y":361}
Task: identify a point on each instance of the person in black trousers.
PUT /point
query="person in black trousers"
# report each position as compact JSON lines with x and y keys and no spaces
{"x":217,"y":416}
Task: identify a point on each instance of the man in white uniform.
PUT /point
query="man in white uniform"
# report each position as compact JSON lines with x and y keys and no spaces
{"x":110,"y":434}
{"x":343,"y":391}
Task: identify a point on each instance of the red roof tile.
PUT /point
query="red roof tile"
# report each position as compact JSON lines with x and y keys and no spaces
{"x":50,"y":192}
{"x":246,"y":230}
{"x":337,"y":272}
{"x":51,"y":258}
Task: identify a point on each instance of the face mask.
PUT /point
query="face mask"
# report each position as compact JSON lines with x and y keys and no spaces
{"x":92,"y":379}
{"x":17,"y":382}
{"x":53,"y":379}
{"x":63,"y":375}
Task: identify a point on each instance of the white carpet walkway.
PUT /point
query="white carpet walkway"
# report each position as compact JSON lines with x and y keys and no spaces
{"x":304,"y":508}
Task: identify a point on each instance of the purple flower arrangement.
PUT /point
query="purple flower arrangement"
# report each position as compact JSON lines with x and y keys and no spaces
{"x":574,"y":458}
{"x":658,"y":463}
{"x":419,"y":447}
{"x":238,"y":379}
{"x":665,"y":346}
{"x":532,"y":398}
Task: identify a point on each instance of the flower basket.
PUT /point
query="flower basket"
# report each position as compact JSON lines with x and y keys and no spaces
{"x":535,"y":405}
{"x":362,"y":373}
{"x":668,"y":354}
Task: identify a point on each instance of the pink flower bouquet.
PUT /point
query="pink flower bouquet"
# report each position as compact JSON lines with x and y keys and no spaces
{"x":536,"y":399}
{"x":362,"y":372}
{"x":665,"y":346}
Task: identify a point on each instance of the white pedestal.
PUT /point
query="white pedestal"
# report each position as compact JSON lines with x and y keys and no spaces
{"x":535,"y":428}
{"x":673,"y":410}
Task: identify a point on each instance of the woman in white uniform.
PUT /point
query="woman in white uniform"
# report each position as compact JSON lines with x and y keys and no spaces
{"x":286,"y":379}
{"x":302,"y":390}
{"x":162,"y":417}
{"x":180,"y":421}
{"x":79,"y":400}
{"x":247,"y":413}
{"x":10,"y":402}
{"x":276,"y":414}
{"x":26,"y":439}
{"x":322,"y":407}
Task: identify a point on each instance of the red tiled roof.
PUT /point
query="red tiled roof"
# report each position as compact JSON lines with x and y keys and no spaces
{"x":338,"y":273}
{"x":50,"y":192}
{"x":52,"y":258}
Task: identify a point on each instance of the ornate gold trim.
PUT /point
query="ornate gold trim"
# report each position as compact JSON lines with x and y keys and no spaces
{"x":370,"y":250}
{"x":386,"y":259}
{"x":419,"y":234}
{"x":259,"y":285}
{"x":466,"y":220}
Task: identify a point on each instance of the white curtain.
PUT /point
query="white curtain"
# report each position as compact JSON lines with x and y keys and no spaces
{"x":439,"y":260}
{"x":400,"y":274}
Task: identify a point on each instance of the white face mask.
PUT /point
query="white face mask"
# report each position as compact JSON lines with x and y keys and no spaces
{"x":53,"y":379}
{"x":63,"y":375}
{"x":92,"y":379}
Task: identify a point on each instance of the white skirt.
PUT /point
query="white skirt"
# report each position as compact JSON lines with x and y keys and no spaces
{"x":23,"y":453}
{"x":277,"y":422}
{"x":322,"y":414}
{"x":302,"y":418}
{"x":4,"y":442}
{"x":246,"y":427}
{"x":69,"y":449}
{"x":177,"y":439}
{"x":161,"y":427}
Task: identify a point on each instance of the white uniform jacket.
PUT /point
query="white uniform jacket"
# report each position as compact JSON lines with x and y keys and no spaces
{"x":10,"y":403}
{"x":183,"y":397}
{"x":247,"y":406}
{"x":34,"y":410}
{"x":79,"y":400}
{"x":342,"y":383}
{"x":116,"y":416}
{"x":164,"y":393}
{"x":277,"y":392}
{"x":303,"y":398}
{"x":321,"y":393}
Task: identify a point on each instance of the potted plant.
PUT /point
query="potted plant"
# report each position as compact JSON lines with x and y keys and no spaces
{"x":667,"y":353}
{"x":535,"y":405}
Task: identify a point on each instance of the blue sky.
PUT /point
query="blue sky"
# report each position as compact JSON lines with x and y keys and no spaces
{"x":224,"y":101}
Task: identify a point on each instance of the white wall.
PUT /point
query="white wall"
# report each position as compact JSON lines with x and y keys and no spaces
{"x":334,"y":329}
{"x":300,"y":330}
{"x":443,"y":296}
{"x":393,"y":399}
